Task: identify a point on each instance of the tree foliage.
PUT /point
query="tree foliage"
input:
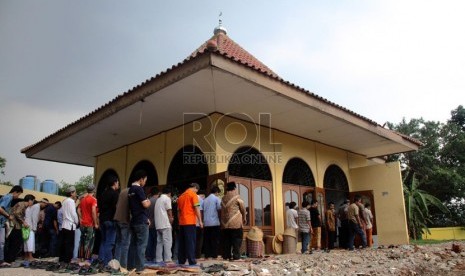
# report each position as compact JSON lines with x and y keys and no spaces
{"x":2,"y":172}
{"x":438,"y":167}
{"x":80,"y":185}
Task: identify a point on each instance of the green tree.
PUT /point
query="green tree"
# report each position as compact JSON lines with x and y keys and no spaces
{"x":80,"y":185}
{"x":417,"y":204}
{"x":2,"y":165}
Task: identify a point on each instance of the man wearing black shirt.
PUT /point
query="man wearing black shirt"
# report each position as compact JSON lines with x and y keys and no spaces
{"x":107,"y":208}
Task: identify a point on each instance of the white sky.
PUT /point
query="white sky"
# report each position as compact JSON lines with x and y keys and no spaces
{"x":60,"y":60}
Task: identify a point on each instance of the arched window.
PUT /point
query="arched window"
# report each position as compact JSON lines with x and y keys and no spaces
{"x":152,"y":176}
{"x":249,"y":162}
{"x":336,"y":185}
{"x":187,"y":166}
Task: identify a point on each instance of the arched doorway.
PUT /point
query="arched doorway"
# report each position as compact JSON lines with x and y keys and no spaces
{"x":187,"y":166}
{"x":298,"y":182}
{"x":249,"y":169}
{"x":336,"y":185}
{"x":105,"y":180}
{"x":152,"y":176}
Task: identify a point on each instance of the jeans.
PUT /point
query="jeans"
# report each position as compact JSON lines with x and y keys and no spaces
{"x":187,"y":238}
{"x":356,"y":230}
{"x":77,"y":240}
{"x":151,"y":245}
{"x":123,"y":239}
{"x":108,"y":238}
{"x":305,"y":241}
{"x":140,"y":236}
{"x":164,"y":243}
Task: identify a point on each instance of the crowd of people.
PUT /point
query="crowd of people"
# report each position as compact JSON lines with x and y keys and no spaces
{"x":135,"y":229}
{"x":342,"y":225}
{"x":132,"y":228}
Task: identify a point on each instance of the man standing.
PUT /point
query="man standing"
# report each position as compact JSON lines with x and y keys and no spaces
{"x":211,"y":219}
{"x":188,"y":214}
{"x":88,"y":213}
{"x":331,"y":225}
{"x":51,"y":228}
{"x":305,"y":226}
{"x":70,"y":222}
{"x":5,"y":205}
{"x":138,"y":204}
{"x":107,"y":209}
{"x":355,"y":223}
{"x":316,"y":225}
{"x":233,"y":217}
{"x":163,"y":221}
{"x":199,"y":230}
{"x":32,"y":219}
{"x":152,"y":241}
{"x":123,"y":233}
{"x":342,"y":214}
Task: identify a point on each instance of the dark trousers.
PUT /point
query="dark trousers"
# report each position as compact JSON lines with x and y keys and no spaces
{"x":331,"y":239}
{"x":187,"y":237}
{"x":344,"y":234}
{"x":232,"y":239}
{"x":356,"y":230}
{"x":151,"y":245}
{"x":198,"y":242}
{"x":211,"y":240}
{"x":13,"y":246}
{"x":67,"y":245}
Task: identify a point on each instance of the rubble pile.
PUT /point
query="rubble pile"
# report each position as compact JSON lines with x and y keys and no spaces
{"x":441,"y":259}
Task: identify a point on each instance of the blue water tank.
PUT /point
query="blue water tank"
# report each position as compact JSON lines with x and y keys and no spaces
{"x":50,"y":187}
{"x":28,"y":182}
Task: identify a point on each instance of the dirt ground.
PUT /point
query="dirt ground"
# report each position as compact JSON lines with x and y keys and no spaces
{"x":438,"y":260}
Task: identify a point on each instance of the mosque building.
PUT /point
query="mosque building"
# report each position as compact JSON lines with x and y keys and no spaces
{"x":222,"y":115}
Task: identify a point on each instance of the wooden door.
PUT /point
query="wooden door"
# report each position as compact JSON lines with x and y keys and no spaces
{"x":367,"y":196}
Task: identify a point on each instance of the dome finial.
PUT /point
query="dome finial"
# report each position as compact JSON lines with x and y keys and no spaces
{"x":220,"y":28}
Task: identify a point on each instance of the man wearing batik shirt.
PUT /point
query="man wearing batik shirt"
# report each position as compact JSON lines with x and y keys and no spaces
{"x":233,"y":218}
{"x":188,"y":214}
{"x":88,"y":213}
{"x":5,"y":205}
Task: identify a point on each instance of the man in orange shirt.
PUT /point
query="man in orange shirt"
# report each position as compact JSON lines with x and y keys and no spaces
{"x":188,"y":213}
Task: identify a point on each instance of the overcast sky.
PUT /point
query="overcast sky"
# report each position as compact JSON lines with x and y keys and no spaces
{"x":60,"y":60}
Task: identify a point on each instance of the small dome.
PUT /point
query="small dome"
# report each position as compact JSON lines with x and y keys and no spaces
{"x":220,"y":29}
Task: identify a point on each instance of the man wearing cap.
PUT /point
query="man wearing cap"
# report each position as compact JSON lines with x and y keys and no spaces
{"x":233,"y":217}
{"x":188,"y":214}
{"x":88,"y":213}
{"x":70,"y":222}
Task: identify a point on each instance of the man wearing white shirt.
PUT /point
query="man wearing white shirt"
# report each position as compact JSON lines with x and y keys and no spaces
{"x":69,"y":224}
{"x":164,"y":219}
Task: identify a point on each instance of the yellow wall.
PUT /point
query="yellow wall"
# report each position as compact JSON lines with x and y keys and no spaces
{"x":445,"y":233}
{"x":227,"y":134}
{"x":4,"y":189}
{"x":386,"y":182}
{"x":115,"y":160}
{"x":151,"y":149}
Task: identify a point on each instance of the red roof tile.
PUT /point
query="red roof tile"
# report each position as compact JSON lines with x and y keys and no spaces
{"x":224,"y":45}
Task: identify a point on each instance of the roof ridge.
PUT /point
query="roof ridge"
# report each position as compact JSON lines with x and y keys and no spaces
{"x":226,"y":46}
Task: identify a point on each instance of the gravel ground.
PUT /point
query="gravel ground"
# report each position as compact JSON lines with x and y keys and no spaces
{"x":438,"y":260}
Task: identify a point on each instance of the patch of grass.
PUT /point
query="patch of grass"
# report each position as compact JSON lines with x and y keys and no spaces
{"x":425,"y":242}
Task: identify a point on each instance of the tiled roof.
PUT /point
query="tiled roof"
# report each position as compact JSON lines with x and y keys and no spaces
{"x":219,"y":44}
{"x":224,"y":45}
